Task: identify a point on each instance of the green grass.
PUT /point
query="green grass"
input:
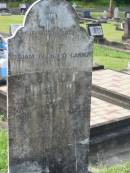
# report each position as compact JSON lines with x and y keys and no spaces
{"x":110,"y":58}
{"x":3,"y":151}
{"x":122,"y":168}
{"x":6,"y":21}
{"x":110,"y":32}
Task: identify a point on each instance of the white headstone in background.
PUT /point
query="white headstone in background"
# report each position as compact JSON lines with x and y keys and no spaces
{"x":116,"y":13}
{"x":105,"y":14}
{"x":128,"y":15}
{"x":3,"y":5}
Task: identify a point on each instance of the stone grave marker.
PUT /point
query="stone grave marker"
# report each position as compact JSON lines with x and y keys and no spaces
{"x":126,"y":29}
{"x":116,"y":13}
{"x":105,"y":14}
{"x":3,"y":6}
{"x":87,"y":14}
{"x":49,"y":89}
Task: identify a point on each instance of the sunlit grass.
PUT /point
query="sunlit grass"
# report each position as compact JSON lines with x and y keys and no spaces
{"x":3,"y":151}
{"x":110,"y":58}
{"x":6,"y":21}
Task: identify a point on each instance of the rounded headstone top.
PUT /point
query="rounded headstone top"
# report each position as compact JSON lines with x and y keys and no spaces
{"x":51,"y":13}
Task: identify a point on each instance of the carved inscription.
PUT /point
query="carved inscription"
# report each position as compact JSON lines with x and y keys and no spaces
{"x":22,"y":63}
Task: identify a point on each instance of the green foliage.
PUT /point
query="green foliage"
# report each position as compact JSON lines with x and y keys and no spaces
{"x":120,"y":168}
{"x":13,"y":4}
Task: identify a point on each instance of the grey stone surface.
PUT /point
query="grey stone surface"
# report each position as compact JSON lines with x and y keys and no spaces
{"x":116,"y":13}
{"x":50,"y":69}
{"x":126,"y":30}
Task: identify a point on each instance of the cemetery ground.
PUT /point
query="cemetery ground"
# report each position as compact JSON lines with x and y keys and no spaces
{"x":111,"y":59}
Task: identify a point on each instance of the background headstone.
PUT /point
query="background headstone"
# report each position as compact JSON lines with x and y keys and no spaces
{"x":49,"y":89}
{"x":116,"y":13}
{"x":3,"y":6}
{"x":87,"y":14}
{"x":126,"y":29}
{"x":105,"y":14}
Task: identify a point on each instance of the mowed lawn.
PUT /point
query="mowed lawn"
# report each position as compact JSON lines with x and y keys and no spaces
{"x":112,"y":59}
{"x":6,"y":21}
{"x":3,"y":151}
{"x":110,"y":32}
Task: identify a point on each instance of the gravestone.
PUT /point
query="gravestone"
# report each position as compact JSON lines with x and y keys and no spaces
{"x":105,"y":14}
{"x":3,"y":6}
{"x":95,"y":30}
{"x":126,"y":30}
{"x":87,"y":14}
{"x":49,"y":89}
{"x":116,"y":13}
{"x":127,"y":14}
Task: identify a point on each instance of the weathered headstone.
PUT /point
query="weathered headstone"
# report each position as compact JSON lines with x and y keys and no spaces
{"x":49,"y":84}
{"x":116,"y":13}
{"x":126,"y":29}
